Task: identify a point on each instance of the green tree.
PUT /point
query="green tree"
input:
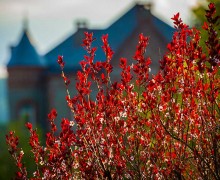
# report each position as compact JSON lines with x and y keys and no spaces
{"x":200,"y":18}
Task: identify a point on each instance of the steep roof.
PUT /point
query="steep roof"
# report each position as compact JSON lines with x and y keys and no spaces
{"x":118,"y":32}
{"x":24,"y":54}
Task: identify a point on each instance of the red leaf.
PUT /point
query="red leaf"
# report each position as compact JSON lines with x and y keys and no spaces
{"x":205,"y":26}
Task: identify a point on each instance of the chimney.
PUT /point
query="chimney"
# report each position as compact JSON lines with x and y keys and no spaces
{"x":81,"y":24}
{"x":147,"y":4}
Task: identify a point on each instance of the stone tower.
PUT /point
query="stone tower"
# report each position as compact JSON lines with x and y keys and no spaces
{"x":27,"y":81}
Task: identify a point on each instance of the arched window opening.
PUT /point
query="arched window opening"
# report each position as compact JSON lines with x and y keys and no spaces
{"x":28,"y":112}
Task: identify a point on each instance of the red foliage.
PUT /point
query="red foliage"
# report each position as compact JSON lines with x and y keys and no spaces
{"x":164,"y":127}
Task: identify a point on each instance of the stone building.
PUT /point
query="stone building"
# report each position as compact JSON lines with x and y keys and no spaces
{"x":34,"y":83}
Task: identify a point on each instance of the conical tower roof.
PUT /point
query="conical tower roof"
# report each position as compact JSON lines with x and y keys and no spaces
{"x":25,"y":54}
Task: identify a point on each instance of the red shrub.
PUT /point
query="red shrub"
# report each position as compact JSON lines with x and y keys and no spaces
{"x":164,"y":127}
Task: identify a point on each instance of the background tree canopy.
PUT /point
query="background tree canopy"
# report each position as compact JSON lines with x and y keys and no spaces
{"x":200,"y":17}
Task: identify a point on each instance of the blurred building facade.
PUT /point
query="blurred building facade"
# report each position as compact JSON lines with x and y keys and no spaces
{"x":34,"y":83}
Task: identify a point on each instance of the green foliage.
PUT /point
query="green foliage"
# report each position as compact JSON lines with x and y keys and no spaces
{"x":199,"y":11}
{"x":7,"y":164}
{"x":200,"y":18}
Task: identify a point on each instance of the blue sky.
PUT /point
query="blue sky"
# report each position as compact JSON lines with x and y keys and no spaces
{"x":50,"y":21}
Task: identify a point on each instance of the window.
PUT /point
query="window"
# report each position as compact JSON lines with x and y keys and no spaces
{"x":28,"y":112}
